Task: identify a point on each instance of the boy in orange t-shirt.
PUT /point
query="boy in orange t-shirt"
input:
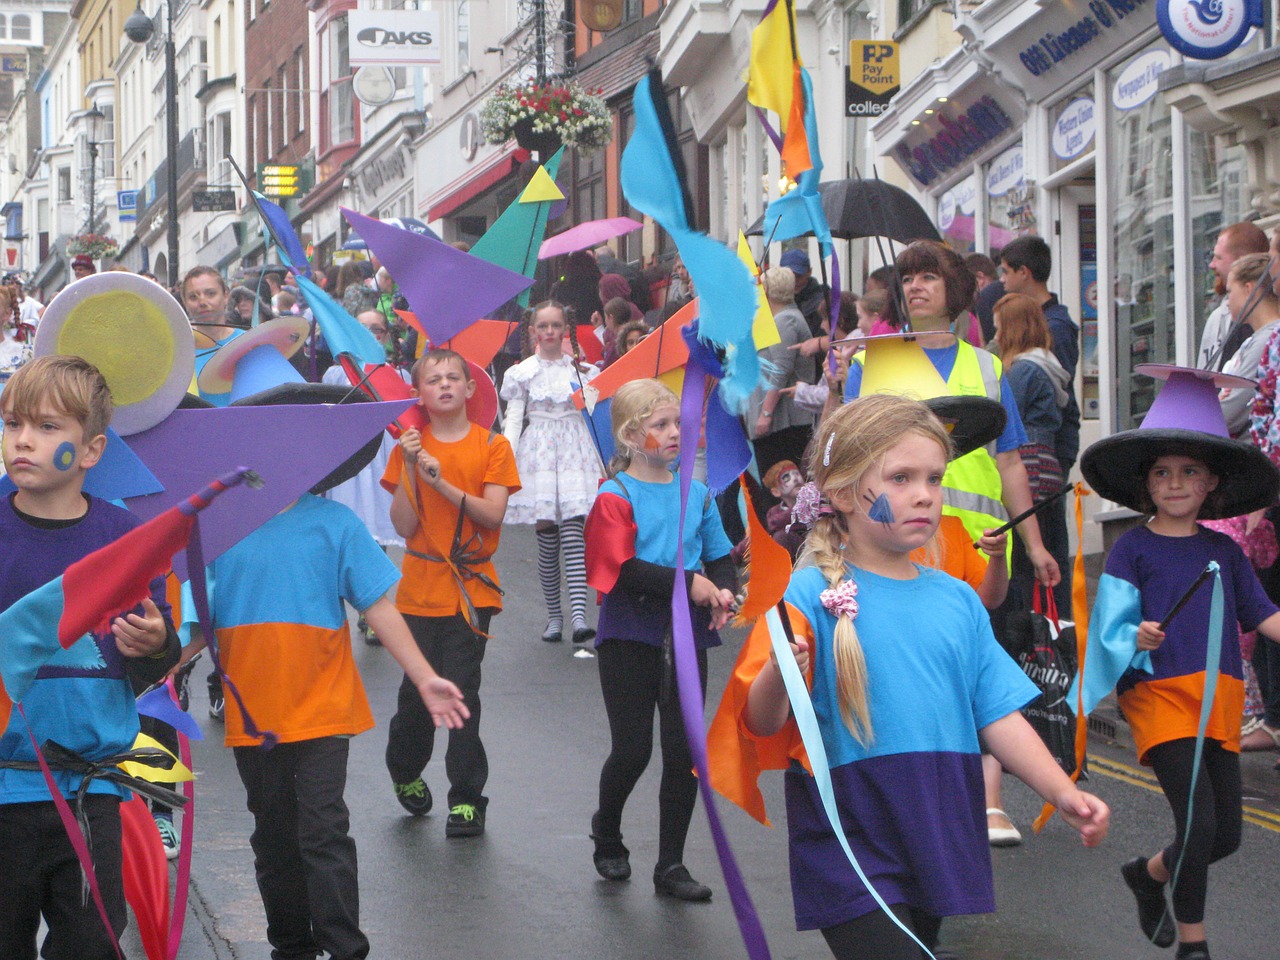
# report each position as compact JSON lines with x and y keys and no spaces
{"x":450,"y":484}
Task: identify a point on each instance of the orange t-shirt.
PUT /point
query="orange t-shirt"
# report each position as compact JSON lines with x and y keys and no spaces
{"x":427,"y":587}
{"x":959,"y":558}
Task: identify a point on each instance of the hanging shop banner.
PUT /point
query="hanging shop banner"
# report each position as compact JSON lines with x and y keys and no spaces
{"x":404,"y":38}
{"x":1006,"y":172}
{"x":127,"y":205}
{"x":874,"y":77}
{"x":1208,"y":29}
{"x":1073,"y":133}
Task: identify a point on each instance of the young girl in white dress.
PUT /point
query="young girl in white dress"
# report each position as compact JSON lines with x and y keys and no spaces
{"x":558,"y":463}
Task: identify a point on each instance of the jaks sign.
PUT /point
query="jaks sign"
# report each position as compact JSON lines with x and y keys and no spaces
{"x":406,"y":38}
{"x":1208,"y":29}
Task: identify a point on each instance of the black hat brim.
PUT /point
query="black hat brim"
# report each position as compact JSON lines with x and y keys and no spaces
{"x":301,"y":394}
{"x":1116,"y":468}
{"x":974,"y":421}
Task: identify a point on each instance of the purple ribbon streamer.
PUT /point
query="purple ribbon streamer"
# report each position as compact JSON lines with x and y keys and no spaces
{"x":688,"y":682}
{"x":768,"y":129}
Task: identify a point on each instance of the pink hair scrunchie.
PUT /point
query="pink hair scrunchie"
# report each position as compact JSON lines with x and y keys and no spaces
{"x":810,"y":505}
{"x":841,"y":600}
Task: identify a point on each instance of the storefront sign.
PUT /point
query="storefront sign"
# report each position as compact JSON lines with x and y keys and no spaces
{"x":874,"y":78}
{"x":1059,"y":44}
{"x":213,"y":201}
{"x":1139,"y":80}
{"x":1208,"y":29}
{"x":1005,"y":172}
{"x":1074,"y":130}
{"x":960,"y":139}
{"x":388,"y":168}
{"x":406,"y":38}
{"x":960,"y":200}
{"x":127,"y":205}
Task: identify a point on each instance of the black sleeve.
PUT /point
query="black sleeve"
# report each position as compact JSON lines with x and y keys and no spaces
{"x":144,"y":671}
{"x":723,"y":573}
{"x":642,"y":577}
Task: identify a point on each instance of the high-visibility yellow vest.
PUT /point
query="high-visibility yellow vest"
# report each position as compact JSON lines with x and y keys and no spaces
{"x":971,"y":487}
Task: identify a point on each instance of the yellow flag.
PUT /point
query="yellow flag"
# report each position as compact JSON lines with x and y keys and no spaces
{"x":770,"y":77}
{"x":764,"y":329}
{"x":541,"y":188}
{"x":178,"y":773}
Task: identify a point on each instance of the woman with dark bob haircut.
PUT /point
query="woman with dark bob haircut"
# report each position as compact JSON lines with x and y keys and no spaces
{"x":931,"y":257}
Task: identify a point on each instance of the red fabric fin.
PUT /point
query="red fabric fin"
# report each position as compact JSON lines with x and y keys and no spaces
{"x":146,"y":876}
{"x":117,"y":577}
{"x":611,"y":540}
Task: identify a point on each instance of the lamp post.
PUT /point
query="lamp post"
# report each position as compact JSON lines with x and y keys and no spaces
{"x":139,"y":28}
{"x":95,"y":118}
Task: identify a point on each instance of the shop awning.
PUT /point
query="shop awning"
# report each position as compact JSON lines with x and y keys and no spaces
{"x":490,"y":176}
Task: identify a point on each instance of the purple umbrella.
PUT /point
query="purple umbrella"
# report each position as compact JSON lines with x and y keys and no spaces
{"x":586,"y":235}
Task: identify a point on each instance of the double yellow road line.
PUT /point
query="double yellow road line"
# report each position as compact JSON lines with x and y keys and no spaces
{"x":1141,"y":778}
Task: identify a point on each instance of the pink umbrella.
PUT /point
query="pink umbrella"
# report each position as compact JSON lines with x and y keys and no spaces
{"x":586,"y":235}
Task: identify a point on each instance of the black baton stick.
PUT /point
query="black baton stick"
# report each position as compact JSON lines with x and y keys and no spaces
{"x":1027,"y":513}
{"x":1204,"y":575}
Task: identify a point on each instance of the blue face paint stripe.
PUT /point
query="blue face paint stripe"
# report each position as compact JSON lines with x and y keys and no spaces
{"x":880,"y":510}
{"x":64,"y":458}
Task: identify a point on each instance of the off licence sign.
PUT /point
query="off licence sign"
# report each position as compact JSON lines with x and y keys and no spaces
{"x":874,"y":77}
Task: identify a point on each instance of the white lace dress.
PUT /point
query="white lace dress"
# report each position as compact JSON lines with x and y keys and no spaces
{"x":559,"y":467}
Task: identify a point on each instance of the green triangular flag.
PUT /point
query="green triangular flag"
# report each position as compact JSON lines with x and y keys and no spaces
{"x":515,"y":237}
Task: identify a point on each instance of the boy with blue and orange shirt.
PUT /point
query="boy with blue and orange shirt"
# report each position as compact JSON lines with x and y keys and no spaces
{"x":450,"y":483}
{"x":56,"y":411}
{"x":276,"y":602}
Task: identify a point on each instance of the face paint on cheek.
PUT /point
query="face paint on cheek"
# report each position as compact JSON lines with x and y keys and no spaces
{"x":880,"y":511}
{"x":650,"y":443}
{"x":64,"y":458}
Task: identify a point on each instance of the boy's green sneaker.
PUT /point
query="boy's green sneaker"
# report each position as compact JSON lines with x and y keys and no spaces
{"x":414,"y":797}
{"x":465,"y":820}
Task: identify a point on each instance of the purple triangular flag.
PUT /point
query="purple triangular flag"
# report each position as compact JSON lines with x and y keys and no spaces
{"x":158,"y":704}
{"x":448,"y":290}
{"x":291,"y":448}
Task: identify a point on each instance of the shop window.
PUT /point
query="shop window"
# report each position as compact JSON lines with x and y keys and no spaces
{"x":1010,"y":200}
{"x":588,"y":177}
{"x":1073,"y":128}
{"x":958,"y":215}
{"x":1219,"y":191}
{"x":1140,"y":173}
{"x":910,"y":11}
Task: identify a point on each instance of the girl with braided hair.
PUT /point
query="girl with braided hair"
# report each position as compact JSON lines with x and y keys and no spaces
{"x":901,"y":701}
{"x":558,"y":463}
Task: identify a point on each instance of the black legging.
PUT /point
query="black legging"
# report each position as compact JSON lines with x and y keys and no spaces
{"x":631,"y":679}
{"x":1215,"y":830}
{"x":874,"y":936}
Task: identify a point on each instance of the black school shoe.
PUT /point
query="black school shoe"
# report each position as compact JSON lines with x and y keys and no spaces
{"x":674,"y":881}
{"x":465,"y":820}
{"x":1153,"y":911}
{"x":611,"y":857}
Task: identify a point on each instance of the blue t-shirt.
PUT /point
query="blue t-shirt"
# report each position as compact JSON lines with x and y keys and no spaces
{"x":944,"y":360}
{"x":82,"y":697}
{"x":912,"y":799}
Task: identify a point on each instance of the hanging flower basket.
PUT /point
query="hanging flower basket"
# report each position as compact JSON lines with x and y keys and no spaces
{"x":94,"y":245}
{"x":542,"y":116}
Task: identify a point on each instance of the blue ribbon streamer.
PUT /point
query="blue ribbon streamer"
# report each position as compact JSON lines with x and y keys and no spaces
{"x":1212,"y":661}
{"x":688,"y":683}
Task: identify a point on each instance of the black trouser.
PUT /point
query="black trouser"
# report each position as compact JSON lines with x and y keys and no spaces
{"x":1216,"y":816}
{"x":874,"y":936}
{"x":456,"y":652}
{"x":303,"y":853}
{"x":631,"y":679}
{"x":1266,"y":666}
{"x":39,"y":874}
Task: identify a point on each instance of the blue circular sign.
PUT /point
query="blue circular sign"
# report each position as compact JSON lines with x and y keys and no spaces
{"x":1207,"y":29}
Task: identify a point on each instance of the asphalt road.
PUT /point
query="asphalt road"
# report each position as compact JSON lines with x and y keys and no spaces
{"x":527,"y":889}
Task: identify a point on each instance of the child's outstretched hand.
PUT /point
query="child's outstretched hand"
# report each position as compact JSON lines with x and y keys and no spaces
{"x":993,"y":546}
{"x":706,"y":594}
{"x":1087,"y":814}
{"x":443,"y":701}
{"x":140,"y":636}
{"x":1150,"y":636}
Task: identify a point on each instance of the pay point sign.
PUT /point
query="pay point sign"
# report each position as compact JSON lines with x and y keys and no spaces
{"x":873,"y":78}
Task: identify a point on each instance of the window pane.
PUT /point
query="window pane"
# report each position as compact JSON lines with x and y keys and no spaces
{"x":957,"y":215}
{"x":1219,"y":197}
{"x":1010,"y":201}
{"x":1141,"y":173}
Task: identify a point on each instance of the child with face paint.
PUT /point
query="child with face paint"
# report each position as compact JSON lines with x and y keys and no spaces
{"x":901,"y":700}
{"x":56,"y":410}
{"x":631,"y":555}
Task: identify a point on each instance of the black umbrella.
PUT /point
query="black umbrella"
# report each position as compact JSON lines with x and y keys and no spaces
{"x":869,"y":208}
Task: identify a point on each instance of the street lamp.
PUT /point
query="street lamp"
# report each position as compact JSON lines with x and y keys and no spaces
{"x":95,"y":118}
{"x":139,"y":28}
